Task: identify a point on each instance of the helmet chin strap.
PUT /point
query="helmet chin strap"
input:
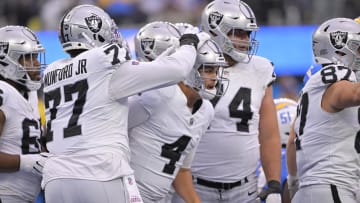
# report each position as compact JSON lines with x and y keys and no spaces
{"x":208,"y":94}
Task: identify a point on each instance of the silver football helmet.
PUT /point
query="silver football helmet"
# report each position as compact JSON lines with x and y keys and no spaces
{"x":21,"y":54}
{"x":286,"y":113}
{"x":208,"y":56}
{"x":338,"y":41}
{"x":222,"y":18}
{"x":87,"y":26}
{"x":154,"y":38}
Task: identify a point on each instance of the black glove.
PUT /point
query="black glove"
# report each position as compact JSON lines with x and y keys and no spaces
{"x":189,"y":39}
{"x":273,"y":189}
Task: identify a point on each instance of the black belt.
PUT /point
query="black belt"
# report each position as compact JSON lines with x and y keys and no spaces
{"x":218,"y":185}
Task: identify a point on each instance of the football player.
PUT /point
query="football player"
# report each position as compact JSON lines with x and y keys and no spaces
{"x":86,"y":101}
{"x":244,"y":115}
{"x":165,"y":125}
{"x":327,"y":123}
{"x":21,"y":56}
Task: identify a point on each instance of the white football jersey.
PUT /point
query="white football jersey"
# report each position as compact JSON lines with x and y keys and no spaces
{"x":166,"y":141}
{"x":326,"y":151}
{"x":230,"y":148}
{"x":87,"y":109}
{"x":20,"y":135}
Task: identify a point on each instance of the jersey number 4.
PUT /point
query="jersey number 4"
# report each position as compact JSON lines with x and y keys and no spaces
{"x":242,"y":97}
{"x":80,"y":87}
{"x":173,"y":152}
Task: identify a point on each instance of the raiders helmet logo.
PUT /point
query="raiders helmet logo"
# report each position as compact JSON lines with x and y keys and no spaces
{"x":338,"y":39}
{"x":4,"y":48}
{"x":94,"y":23}
{"x":215,"y":19}
{"x":147,"y":45}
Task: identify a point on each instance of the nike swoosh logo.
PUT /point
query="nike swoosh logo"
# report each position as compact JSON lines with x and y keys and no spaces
{"x":251,"y":193}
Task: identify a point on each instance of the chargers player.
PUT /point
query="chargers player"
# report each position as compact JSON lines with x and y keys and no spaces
{"x":165,"y":125}
{"x":86,"y":101}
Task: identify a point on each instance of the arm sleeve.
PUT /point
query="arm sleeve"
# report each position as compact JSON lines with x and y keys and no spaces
{"x":189,"y":158}
{"x":137,"y":112}
{"x":133,"y":77}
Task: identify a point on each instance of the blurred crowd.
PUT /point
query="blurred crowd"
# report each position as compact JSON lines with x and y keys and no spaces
{"x":45,"y":14}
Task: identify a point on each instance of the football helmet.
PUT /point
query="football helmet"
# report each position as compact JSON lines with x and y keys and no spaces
{"x":18,"y":46}
{"x":338,"y":41}
{"x":208,"y":55}
{"x":286,"y":113}
{"x":154,"y":38}
{"x":222,"y":18}
{"x":87,"y":26}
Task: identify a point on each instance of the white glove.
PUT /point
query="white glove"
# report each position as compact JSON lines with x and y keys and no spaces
{"x":33,"y":163}
{"x":203,"y":37}
{"x":293,"y":185}
{"x":273,"y":198}
{"x":184,"y":26}
{"x":190,"y":30}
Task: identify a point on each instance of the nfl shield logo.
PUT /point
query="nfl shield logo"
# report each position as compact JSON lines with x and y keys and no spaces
{"x":338,"y":39}
{"x":215,"y":19}
{"x":130,"y":181}
{"x":94,"y":23}
{"x":147,"y":45}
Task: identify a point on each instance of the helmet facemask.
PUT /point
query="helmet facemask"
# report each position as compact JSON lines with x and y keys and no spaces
{"x":21,"y":57}
{"x":210,"y":81}
{"x":208,"y":75}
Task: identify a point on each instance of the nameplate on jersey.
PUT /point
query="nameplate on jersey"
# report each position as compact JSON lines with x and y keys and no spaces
{"x":66,"y":72}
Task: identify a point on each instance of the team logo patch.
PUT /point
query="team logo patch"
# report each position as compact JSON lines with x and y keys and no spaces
{"x":338,"y":39}
{"x":147,"y":45}
{"x":215,"y":19}
{"x":94,"y":23}
{"x":191,"y":122}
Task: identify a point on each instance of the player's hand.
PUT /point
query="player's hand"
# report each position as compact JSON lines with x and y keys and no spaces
{"x":33,"y":163}
{"x":293,"y":185}
{"x":272,"y":194}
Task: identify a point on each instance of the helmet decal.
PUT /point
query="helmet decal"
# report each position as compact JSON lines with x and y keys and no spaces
{"x":215,"y":19}
{"x":147,"y":45}
{"x":338,"y":39}
{"x":94,"y":23}
{"x":4,"y":48}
